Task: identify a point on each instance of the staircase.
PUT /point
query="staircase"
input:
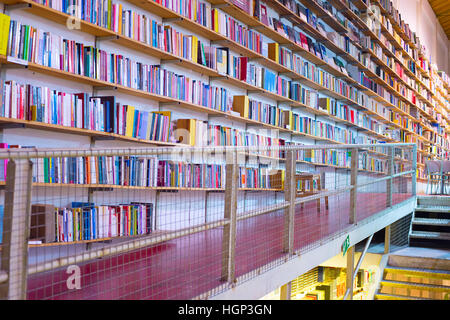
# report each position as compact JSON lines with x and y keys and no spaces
{"x":415,"y":278}
{"x":430,"y":227}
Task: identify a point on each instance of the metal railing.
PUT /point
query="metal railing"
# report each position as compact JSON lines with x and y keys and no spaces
{"x":181,"y":223}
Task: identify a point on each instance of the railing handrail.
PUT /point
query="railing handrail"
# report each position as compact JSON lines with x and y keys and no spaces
{"x":26,"y":153}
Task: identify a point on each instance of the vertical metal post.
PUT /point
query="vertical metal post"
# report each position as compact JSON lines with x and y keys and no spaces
{"x":353,"y":182}
{"x":289,"y":196}
{"x":285,"y":291}
{"x":350,"y":270}
{"x":414,"y":167}
{"x":16,"y":229}
{"x":229,"y":229}
{"x":387,"y":239}
{"x":390,"y":172}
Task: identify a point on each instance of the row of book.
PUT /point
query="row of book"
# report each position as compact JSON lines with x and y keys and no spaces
{"x":140,"y":171}
{"x":345,"y":112}
{"x":324,"y":130}
{"x":79,"y":110}
{"x":128,"y":13}
{"x":339,"y":158}
{"x":257,"y":76}
{"x":103,"y":113}
{"x":84,"y":221}
{"x":315,"y":48}
{"x":229,"y":27}
{"x":47,"y":49}
{"x":259,"y":111}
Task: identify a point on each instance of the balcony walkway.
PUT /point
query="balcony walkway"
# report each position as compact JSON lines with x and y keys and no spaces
{"x":189,"y":266}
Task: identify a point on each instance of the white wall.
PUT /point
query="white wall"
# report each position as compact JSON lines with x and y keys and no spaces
{"x":422,"y":20}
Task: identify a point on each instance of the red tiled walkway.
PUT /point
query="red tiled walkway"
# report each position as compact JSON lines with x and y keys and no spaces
{"x":186,"y":267}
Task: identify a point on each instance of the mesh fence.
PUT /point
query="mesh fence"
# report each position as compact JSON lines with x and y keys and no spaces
{"x":181,"y":223}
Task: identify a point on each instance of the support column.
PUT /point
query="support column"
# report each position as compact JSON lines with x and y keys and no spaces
{"x":350,"y":270}
{"x":389,"y":182}
{"x":387,"y":239}
{"x":285,"y":291}
{"x":289,"y":196}
{"x":16,"y":229}
{"x":414,"y":175}
{"x":229,"y":229}
{"x":353,"y":182}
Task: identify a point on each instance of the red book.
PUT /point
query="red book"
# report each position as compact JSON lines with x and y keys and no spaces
{"x":243,"y":71}
{"x":304,"y":41}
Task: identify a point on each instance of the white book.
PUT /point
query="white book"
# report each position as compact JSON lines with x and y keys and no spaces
{"x":7,"y":101}
{"x":114,"y":221}
{"x":14,"y":100}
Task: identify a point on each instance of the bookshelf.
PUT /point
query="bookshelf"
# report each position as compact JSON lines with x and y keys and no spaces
{"x":388,"y":112}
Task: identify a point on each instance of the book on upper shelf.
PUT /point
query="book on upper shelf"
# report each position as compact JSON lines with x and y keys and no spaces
{"x":245,"y":5}
{"x":4,"y":32}
{"x":264,"y":15}
{"x":273,"y":51}
{"x":223,"y":60}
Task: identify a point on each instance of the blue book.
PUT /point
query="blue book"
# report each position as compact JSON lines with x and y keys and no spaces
{"x":136,"y":122}
{"x":144,"y":124}
{"x":94,"y":223}
{"x":77,"y":204}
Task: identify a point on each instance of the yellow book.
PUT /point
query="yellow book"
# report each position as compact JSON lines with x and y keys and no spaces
{"x":216,"y":20}
{"x":291,"y":120}
{"x":194,"y":5}
{"x":120,"y":18}
{"x":189,"y":125}
{"x":274,"y":52}
{"x":130,"y":121}
{"x":194,"y":48}
{"x":4,"y":32}
{"x":241,"y":105}
{"x":33,"y":113}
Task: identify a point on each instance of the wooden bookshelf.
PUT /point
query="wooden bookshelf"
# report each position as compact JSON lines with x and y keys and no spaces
{"x":175,"y":102}
{"x":229,"y":8}
{"x":95,"y":30}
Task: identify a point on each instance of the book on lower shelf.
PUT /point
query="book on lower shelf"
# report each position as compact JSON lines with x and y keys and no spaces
{"x":86,"y":221}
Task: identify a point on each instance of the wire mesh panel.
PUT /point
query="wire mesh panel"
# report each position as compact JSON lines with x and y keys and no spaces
{"x":178,"y":223}
{"x":400,"y":231}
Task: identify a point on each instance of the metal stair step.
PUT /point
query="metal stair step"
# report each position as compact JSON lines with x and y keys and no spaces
{"x":413,"y":285}
{"x":431,"y":222}
{"x":430,"y":235}
{"x":422,"y":272}
{"x":444,"y":209}
{"x":385,"y":296}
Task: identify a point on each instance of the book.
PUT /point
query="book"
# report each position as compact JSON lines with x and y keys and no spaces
{"x":273,"y":50}
{"x":264,"y":15}
{"x":223,"y":60}
{"x":241,"y":105}
{"x":187,"y":137}
{"x":4,"y":33}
